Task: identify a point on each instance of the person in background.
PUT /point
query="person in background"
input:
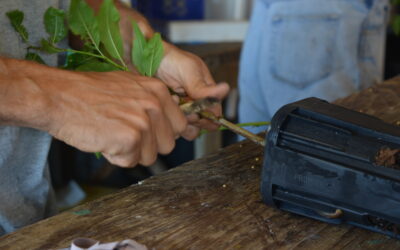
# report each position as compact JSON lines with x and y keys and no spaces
{"x":127,"y":117}
{"x":302,"y":48}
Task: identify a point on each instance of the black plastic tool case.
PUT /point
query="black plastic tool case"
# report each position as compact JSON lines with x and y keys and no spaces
{"x":320,"y":162}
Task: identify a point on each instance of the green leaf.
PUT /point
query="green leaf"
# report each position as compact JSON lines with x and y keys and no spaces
{"x":146,"y":56}
{"x":49,"y":47}
{"x":110,"y":35}
{"x":74,"y":60}
{"x":139,"y":43}
{"x":54,"y":24}
{"x":98,"y":155}
{"x":396,"y":2}
{"x":96,"y":66}
{"x":34,"y":57}
{"x":155,"y":52}
{"x":82,"y":22}
{"x":16,"y":18}
{"x":396,"y":25}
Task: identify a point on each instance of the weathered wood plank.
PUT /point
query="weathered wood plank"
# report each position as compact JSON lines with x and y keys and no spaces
{"x":381,"y":100}
{"x":210,"y":203}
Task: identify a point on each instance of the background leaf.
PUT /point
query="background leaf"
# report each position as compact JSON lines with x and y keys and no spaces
{"x":49,"y":48}
{"x":395,"y":2}
{"x":34,"y":57}
{"x":110,"y":35}
{"x":16,"y":18}
{"x":54,"y":24}
{"x":396,"y":25}
{"x":82,"y":22}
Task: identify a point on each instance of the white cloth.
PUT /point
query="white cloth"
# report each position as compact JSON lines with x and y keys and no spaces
{"x":90,"y":244}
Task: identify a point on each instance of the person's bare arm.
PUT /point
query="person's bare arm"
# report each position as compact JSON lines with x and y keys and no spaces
{"x":126,"y":117}
{"x":22,"y":102}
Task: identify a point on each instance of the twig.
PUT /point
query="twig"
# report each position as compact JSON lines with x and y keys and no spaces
{"x":238,"y":130}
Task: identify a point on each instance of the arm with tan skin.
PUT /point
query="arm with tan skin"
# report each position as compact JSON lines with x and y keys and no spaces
{"x":129,"y":121}
{"x":183,"y":72}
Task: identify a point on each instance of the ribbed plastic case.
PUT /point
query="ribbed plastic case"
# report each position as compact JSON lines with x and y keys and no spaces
{"x":321,"y":162}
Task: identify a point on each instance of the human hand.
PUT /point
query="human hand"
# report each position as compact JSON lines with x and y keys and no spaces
{"x":182,"y":71}
{"x":185,"y":73}
{"x":126,"y":117}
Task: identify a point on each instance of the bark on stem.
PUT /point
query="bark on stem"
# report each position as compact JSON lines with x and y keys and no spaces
{"x":234,"y":128}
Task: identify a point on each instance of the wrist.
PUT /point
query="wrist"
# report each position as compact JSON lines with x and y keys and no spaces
{"x":24,"y":101}
{"x":169,"y":49}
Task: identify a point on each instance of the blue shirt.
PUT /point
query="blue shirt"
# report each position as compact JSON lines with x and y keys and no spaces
{"x":26,"y":194}
{"x":301,"y":48}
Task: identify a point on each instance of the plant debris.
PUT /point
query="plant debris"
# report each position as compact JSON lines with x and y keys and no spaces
{"x":388,"y":158}
{"x":384,"y":224}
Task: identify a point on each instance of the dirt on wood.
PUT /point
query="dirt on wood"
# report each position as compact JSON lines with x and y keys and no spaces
{"x":388,"y":158}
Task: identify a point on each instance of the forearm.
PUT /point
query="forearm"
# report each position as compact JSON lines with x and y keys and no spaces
{"x":128,"y":118}
{"x":22,"y":100}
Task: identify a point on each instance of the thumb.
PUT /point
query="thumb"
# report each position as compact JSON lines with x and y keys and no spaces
{"x":201,"y":90}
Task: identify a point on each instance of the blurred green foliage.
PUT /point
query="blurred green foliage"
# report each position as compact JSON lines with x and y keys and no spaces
{"x":396,"y":19}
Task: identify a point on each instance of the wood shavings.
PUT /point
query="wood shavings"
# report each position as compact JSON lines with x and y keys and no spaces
{"x":388,"y":158}
{"x":205,"y":204}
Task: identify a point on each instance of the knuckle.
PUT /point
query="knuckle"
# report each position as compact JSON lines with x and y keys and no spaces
{"x":143,"y":121}
{"x":120,"y":161}
{"x":180,"y":125}
{"x":169,"y":146}
{"x":183,"y":125}
{"x":124,"y":162}
{"x":159,"y":86}
{"x":130,"y":140}
{"x":152,"y":103}
{"x":149,"y":160}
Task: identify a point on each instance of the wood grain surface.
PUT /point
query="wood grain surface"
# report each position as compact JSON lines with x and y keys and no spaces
{"x":210,"y":203}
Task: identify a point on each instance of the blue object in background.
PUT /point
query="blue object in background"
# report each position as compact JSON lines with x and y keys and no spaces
{"x":170,"y":9}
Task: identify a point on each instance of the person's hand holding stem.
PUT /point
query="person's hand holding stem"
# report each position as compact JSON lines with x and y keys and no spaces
{"x":143,"y":115}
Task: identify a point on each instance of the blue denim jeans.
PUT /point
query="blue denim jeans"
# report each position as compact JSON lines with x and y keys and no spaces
{"x":300,"y":48}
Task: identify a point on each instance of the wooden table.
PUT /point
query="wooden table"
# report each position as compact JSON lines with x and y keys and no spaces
{"x":210,"y":203}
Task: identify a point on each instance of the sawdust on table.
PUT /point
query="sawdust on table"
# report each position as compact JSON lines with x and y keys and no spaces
{"x":388,"y":158}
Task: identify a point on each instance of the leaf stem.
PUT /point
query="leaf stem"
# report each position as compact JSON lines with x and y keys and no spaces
{"x":248,"y":124}
{"x":124,"y":68}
